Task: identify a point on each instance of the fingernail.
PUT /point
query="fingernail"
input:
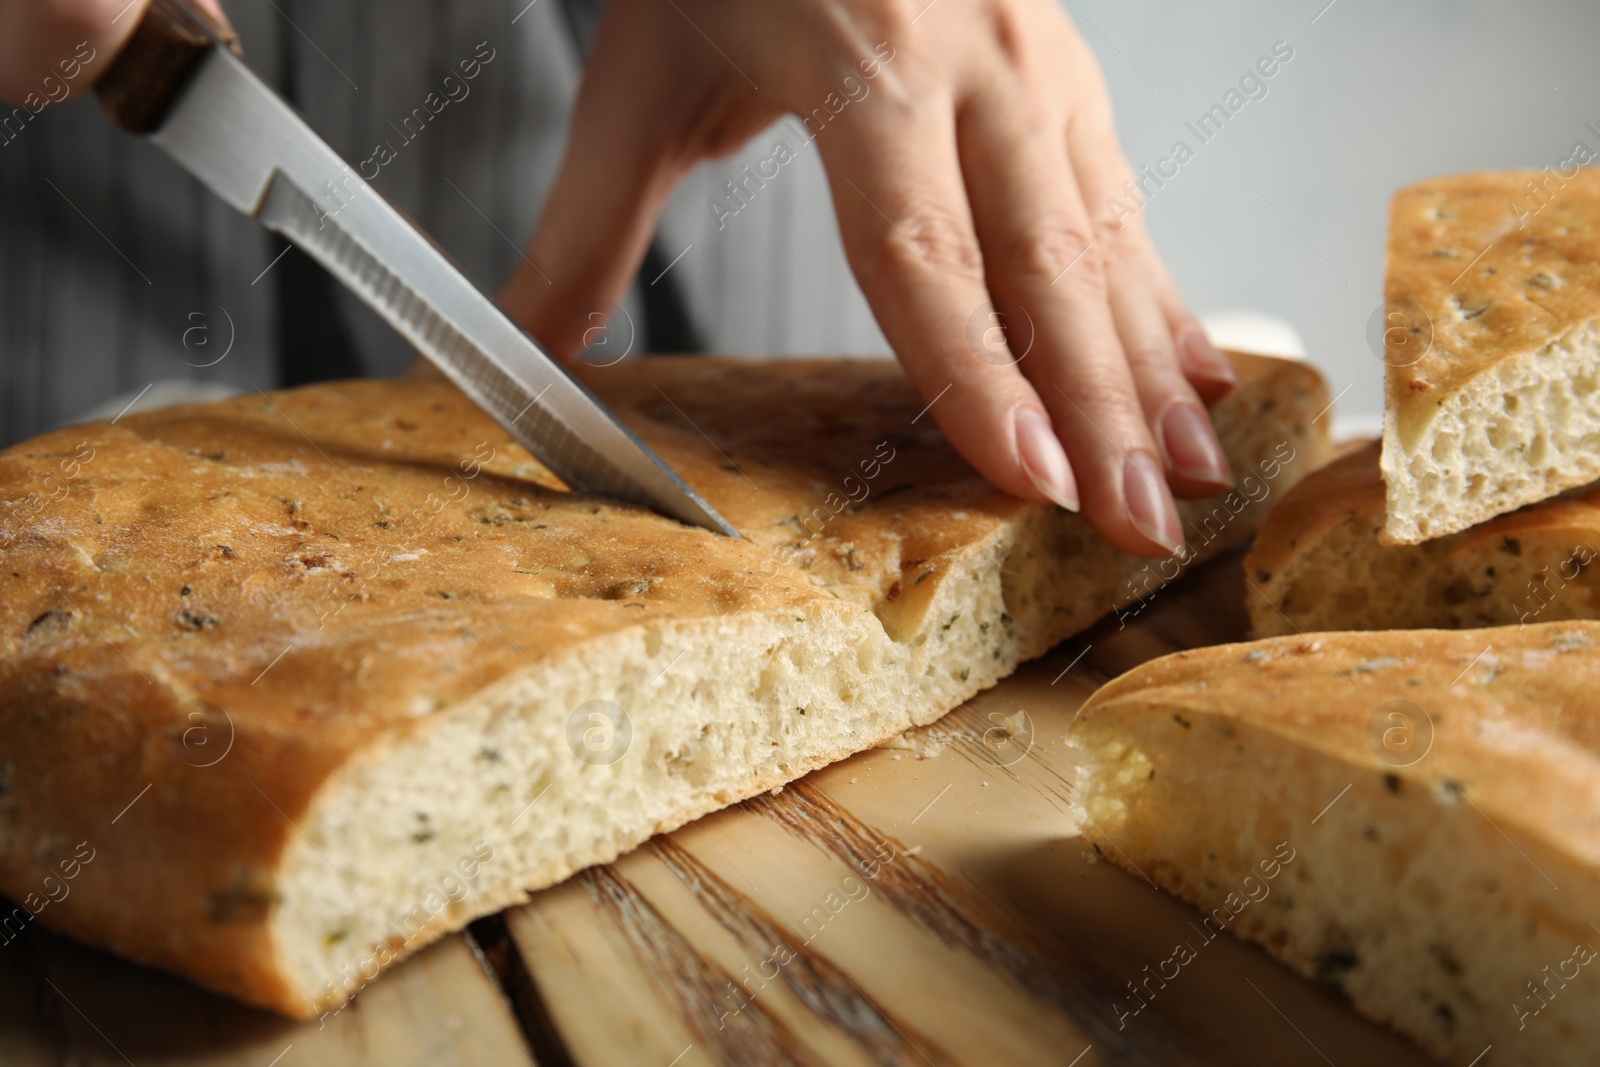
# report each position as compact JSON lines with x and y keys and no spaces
{"x":1191,"y":445}
{"x":1150,"y":506}
{"x":1043,"y":458}
{"x":1204,"y":359}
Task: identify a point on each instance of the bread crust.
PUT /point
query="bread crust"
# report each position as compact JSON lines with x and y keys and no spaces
{"x":1311,"y":688}
{"x":1489,"y":274}
{"x":1435,"y":874}
{"x":1320,"y":562}
{"x":234,"y":609}
{"x":1458,"y":254}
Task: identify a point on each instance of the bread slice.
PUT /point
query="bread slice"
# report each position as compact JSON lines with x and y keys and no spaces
{"x":1319,"y":563}
{"x":315,"y":677}
{"x":1406,"y":815}
{"x":1493,"y":347}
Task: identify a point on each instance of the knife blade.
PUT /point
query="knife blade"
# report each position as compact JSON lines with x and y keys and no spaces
{"x":241,"y":140}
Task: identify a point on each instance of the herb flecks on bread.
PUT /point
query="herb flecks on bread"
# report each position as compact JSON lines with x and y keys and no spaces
{"x":1492,"y":335}
{"x":321,"y":675}
{"x":1438,"y":788}
{"x":1319,"y":564}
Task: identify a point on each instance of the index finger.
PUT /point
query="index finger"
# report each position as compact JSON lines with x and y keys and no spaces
{"x":909,"y":236}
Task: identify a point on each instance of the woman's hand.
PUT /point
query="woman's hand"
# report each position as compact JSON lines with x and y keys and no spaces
{"x":974,"y":166}
{"x":53,"y":49}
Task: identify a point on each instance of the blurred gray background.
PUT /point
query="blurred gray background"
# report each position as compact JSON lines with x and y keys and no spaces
{"x":1378,"y":95}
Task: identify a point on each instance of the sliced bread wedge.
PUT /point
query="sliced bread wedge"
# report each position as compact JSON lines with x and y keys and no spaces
{"x":1408,"y":816}
{"x":1319,"y":562}
{"x":1492,"y":340}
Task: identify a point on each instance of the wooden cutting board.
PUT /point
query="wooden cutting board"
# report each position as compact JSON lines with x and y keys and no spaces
{"x":926,"y":904}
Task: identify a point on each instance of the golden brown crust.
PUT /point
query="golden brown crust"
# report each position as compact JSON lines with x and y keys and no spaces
{"x":143,"y":612}
{"x":1352,"y":486}
{"x":1328,"y":496}
{"x":210,"y":610}
{"x":1513,"y":720}
{"x":1419,"y":805}
{"x":1488,"y":275}
{"x":1346,"y":498}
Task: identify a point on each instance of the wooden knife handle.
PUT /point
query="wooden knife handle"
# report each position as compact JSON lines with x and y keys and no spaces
{"x":157,"y":62}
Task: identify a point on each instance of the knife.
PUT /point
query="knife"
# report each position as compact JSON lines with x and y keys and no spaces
{"x":179,"y":80}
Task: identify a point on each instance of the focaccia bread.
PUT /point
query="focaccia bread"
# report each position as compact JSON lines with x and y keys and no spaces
{"x":298,"y":682}
{"x":1493,"y":346}
{"x":1318,"y":562}
{"x":1406,"y":815}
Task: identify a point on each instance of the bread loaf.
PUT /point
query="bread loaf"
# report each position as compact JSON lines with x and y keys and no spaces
{"x":297,"y":682}
{"x":1492,"y":334}
{"x":1319,"y":564}
{"x":1408,"y":816}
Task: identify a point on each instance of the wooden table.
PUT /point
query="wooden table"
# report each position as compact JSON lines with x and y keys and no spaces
{"x":926,"y":904}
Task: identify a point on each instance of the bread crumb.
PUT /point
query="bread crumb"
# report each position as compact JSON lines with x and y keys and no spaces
{"x":924,"y":743}
{"x":854,"y":779}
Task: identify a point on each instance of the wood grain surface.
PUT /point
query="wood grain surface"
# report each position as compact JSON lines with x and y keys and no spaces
{"x":926,"y":904}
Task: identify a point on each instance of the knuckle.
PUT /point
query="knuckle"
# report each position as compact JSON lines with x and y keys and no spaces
{"x":1117,"y":239}
{"x":1058,"y":250}
{"x":1029,"y":37}
{"x":1010,"y":31}
{"x":1151,"y":360}
{"x":1103,"y":398}
{"x":1104,"y":424}
{"x":927,"y":235}
{"x":1101,"y":390}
